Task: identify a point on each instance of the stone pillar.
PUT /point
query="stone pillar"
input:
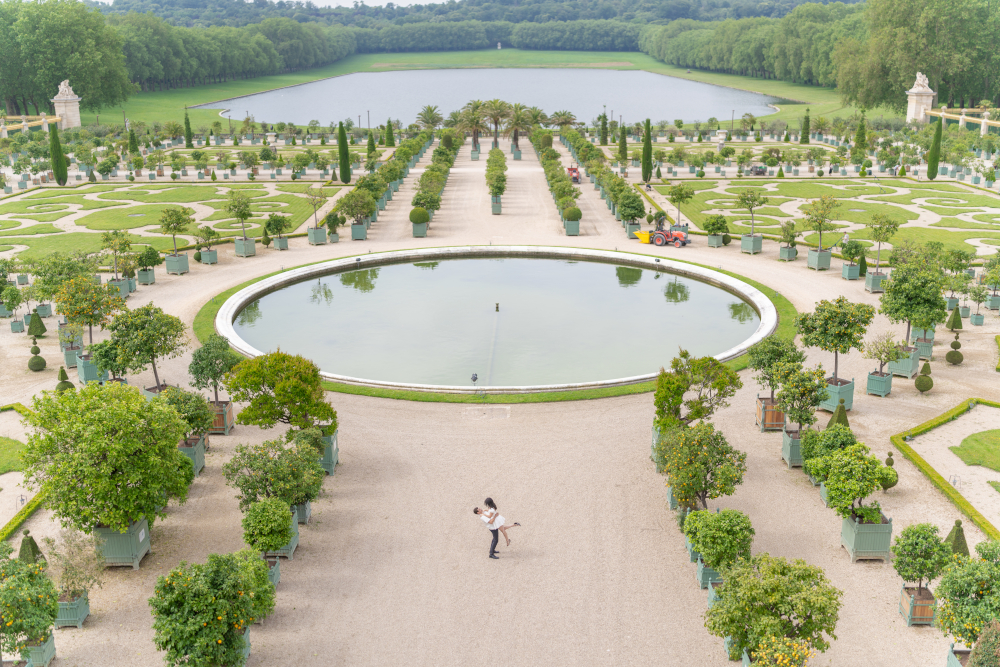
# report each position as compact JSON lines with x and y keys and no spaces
{"x":45,"y":124}
{"x":920,"y":99}
{"x":961,"y":120}
{"x":983,"y":127}
{"x":67,"y":105}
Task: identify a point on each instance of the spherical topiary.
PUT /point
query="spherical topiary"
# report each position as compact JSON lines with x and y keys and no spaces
{"x":197,"y":255}
{"x":726,"y":239}
{"x":956,"y":344}
{"x":64,"y":382}
{"x":954,"y":357}
{"x":889,"y":477}
{"x":923,"y":383}
{"x":649,"y":217}
{"x":36,"y":363}
{"x":700,"y":174}
{"x":572,"y":214}
{"x":419,"y":216}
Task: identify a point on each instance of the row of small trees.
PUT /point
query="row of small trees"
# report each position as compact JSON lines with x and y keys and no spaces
{"x":561,"y":186}
{"x":435,"y":177}
{"x":496,"y":173}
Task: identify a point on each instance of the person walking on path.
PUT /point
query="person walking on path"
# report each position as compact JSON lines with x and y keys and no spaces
{"x":495,"y":522}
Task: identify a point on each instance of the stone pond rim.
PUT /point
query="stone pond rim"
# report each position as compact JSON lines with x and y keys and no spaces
{"x":229,"y":311}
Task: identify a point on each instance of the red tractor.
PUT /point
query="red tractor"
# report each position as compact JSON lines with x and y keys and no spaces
{"x":574,"y":174}
{"x":662,"y":237}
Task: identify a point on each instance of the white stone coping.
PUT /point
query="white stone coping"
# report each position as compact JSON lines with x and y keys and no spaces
{"x":230,"y":309}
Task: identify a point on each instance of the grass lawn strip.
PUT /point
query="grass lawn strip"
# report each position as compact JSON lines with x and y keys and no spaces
{"x":34,"y":229}
{"x":980,"y":449}
{"x":10,"y":454}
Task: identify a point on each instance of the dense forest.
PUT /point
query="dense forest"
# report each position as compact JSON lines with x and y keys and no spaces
{"x":205,"y":13}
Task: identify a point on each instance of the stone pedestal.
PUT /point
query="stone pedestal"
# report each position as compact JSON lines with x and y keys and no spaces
{"x":67,"y":106}
{"x":920,"y":99}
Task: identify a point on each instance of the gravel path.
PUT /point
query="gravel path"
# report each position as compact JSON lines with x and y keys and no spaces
{"x":393,"y":567}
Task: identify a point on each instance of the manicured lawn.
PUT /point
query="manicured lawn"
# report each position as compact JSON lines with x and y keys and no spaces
{"x":303,"y":187}
{"x":980,"y":449}
{"x":126,"y":217}
{"x":31,"y":207}
{"x":169,"y":105}
{"x":32,"y":230}
{"x":995,"y":485}
{"x":42,"y":245}
{"x":179,"y":194}
{"x":10,"y":454}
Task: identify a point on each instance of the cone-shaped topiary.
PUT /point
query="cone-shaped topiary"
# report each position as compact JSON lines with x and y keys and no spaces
{"x":954,"y":357}
{"x":91,"y":177}
{"x":29,"y":552}
{"x":956,"y":538}
{"x":781,"y":173}
{"x":839,"y":416}
{"x":954,"y":322}
{"x":64,"y":382}
{"x":924,"y":382}
{"x":214,"y":178}
{"x":986,"y":651}
{"x":265,"y":239}
{"x":419,"y":216}
{"x":36,"y":363}
{"x":934,"y":154}
{"x":863,"y":266}
{"x":36,"y":327}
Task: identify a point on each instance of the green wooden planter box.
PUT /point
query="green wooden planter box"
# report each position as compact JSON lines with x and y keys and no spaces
{"x":957,"y":657}
{"x":132,"y":286}
{"x":791,"y":450}
{"x":993,"y":302}
{"x":495,"y":206}
{"x":850,"y":271}
{"x":22,"y":279}
{"x":177,"y":264}
{"x":146,"y":276}
{"x":16,"y":326}
{"x":475,"y":155}
{"x":74,"y":612}
{"x":694,"y":555}
{"x":359,"y":232}
{"x":964,"y":311}
{"x":44,"y":309}
{"x":751,"y":244}
{"x":927,"y":334}
{"x":631,"y":229}
{"x":835,"y":393}
{"x":916,"y":612}
{"x":419,"y":229}
{"x":977,"y":320}
{"x":210,"y":256}
{"x":907,"y":367}
{"x":281,"y":243}
{"x":334,"y":237}
{"x":195,"y":451}
{"x":274,"y":571}
{"x":671,"y":500}
{"x":715,"y":240}
{"x":126,"y":548}
{"x":87,"y":371}
{"x":245,"y":247}
{"x":788,"y":253}
{"x":952,"y":303}
{"x":41,"y":655}
{"x":880,"y":385}
{"x":823,"y":495}
{"x":572,"y":227}
{"x":303,"y":512}
{"x":246,"y":644}
{"x":712,"y":597}
{"x":288,"y":551}
{"x":331,"y":453}
{"x":865,"y":540}
{"x":122,"y":286}
{"x":3,"y":310}
{"x":925,"y":348}
{"x":69,"y":357}
{"x":706,"y":575}
{"x":317,"y":235}
{"x":818,"y":259}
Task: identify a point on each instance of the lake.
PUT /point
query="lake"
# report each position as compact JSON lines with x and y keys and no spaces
{"x":633,"y":94}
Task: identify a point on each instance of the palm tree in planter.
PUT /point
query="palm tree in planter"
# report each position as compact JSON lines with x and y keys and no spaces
{"x":144,"y":334}
{"x":28,"y":608}
{"x":106,"y":460}
{"x":496,"y":111}
{"x":720,"y":539}
{"x":800,"y":394}
{"x":851,"y":476}
{"x":881,"y":230}
{"x":750,"y":200}
{"x":209,"y":365}
{"x":919,"y":554}
{"x":267,"y":529}
{"x":78,"y":566}
{"x":885,"y":350}
{"x":764,"y":358}
{"x":766,"y":596}
{"x":198,"y":417}
{"x":836,"y":326}
{"x":967,"y":595}
{"x":238,"y":206}
{"x":202,"y":612}
{"x":518,"y":121}
{"x":276,"y":224}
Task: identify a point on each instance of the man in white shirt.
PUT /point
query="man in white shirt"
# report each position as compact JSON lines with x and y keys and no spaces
{"x":488,"y":518}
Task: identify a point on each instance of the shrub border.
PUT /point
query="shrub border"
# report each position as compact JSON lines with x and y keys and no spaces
{"x":950,"y":491}
{"x":998,"y":347}
{"x":204,"y":326}
{"x":28,"y":510}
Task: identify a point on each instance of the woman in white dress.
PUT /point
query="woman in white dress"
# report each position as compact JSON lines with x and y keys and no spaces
{"x":496,"y":520}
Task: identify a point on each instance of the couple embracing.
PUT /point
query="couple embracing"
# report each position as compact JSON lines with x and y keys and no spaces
{"x":491,"y":517}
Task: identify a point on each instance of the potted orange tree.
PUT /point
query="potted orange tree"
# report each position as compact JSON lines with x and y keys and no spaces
{"x":802,"y":390}
{"x":78,"y":565}
{"x":836,"y":326}
{"x":764,"y":358}
{"x":919,"y":554}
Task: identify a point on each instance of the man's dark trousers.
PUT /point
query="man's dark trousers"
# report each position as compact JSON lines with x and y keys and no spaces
{"x":496,"y":538}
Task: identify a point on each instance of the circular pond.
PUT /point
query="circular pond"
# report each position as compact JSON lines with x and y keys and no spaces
{"x":517,"y":318}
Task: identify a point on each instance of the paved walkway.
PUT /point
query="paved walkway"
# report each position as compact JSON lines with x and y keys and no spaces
{"x":393,"y":568}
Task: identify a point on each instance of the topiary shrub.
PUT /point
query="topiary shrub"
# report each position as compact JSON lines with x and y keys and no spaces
{"x":839,"y":416}
{"x":923,"y":383}
{"x":197,"y":255}
{"x":956,"y":538}
{"x":418,"y":215}
{"x":954,"y":357}
{"x":36,"y":363}
{"x":819,"y":173}
{"x":573,"y":214}
{"x":891,"y":477}
{"x":36,"y":327}
{"x":781,"y":172}
{"x":954,"y":322}
{"x":726,"y":239}
{"x":64,"y":382}
{"x":700,"y":174}
{"x":265,"y":239}
{"x":716,"y":224}
{"x":267,"y":525}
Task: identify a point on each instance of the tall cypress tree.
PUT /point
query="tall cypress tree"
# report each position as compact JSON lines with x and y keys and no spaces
{"x":804,"y":139}
{"x":647,"y":154}
{"x":389,"y":139}
{"x":188,"y":134}
{"x":133,"y":144}
{"x":371,"y":142}
{"x":345,"y":156}
{"x":934,"y":155}
{"x":58,"y":158}
{"x":604,"y":129}
{"x":622,"y":146}
{"x":861,"y":135}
